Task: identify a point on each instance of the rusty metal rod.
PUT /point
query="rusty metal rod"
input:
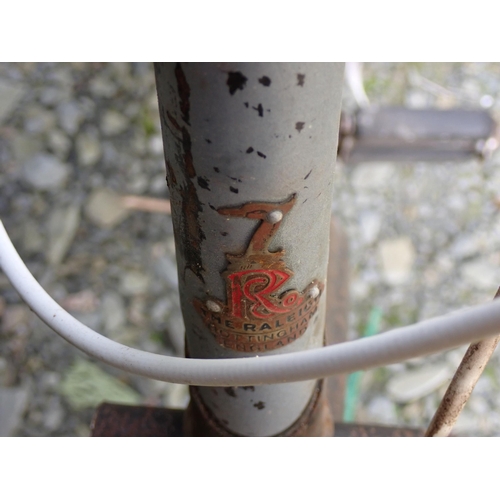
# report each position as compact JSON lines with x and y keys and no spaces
{"x":465,"y":379}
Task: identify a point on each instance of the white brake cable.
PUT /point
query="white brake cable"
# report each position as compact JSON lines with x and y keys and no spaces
{"x":424,"y":338}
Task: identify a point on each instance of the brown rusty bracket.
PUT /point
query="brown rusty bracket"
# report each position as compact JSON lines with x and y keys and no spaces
{"x":112,"y":420}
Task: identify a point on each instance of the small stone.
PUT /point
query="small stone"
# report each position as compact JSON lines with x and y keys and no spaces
{"x":50,"y":96}
{"x":38,"y":120}
{"x":13,"y":403}
{"x":88,"y":148}
{"x":158,"y":185}
{"x":417,"y":99}
{"x":85,"y":301}
{"x":127,"y":335}
{"x":113,"y":311}
{"x":470,"y":245}
{"x":136,"y":311}
{"x":467,"y":422}
{"x":50,"y":380}
{"x":85,"y":385}
{"x":156,"y":145}
{"x":93,"y":319}
{"x":3,"y":371}
{"x":138,"y":184}
{"x":138,"y":144}
{"x":176,"y":396}
{"x":486,"y":101}
{"x":105,"y":208}
{"x":415,"y":384}
{"x":45,"y":172}
{"x":370,"y":224}
{"x":10,"y":95}
{"x":53,"y":415}
{"x":113,"y":123}
{"x":161,"y":310}
{"x":25,"y":147}
{"x":481,"y":275}
{"x":102,"y":87}
{"x":165,"y":268}
{"x":397,"y":257}
{"x":380,"y":410}
{"x":373,"y":176}
{"x":63,"y":224}
{"x":133,"y":283}
{"x":70,"y":117}
{"x":59,"y":143}
{"x":32,"y":238}
{"x":15,"y":318}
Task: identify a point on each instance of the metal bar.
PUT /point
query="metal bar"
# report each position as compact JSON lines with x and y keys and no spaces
{"x":400,"y":134}
{"x":113,"y":420}
{"x":465,"y":379}
{"x":249,"y":149}
{"x":337,"y":312}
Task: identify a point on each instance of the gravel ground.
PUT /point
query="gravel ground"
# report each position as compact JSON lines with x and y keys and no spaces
{"x":424,"y":240}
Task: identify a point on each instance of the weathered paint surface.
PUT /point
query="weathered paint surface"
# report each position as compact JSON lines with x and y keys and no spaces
{"x":239,"y":138}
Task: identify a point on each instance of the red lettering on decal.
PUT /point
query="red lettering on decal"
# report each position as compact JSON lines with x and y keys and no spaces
{"x":256,"y":286}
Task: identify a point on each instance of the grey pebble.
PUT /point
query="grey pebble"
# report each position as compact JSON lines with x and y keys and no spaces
{"x":63,"y":224}
{"x":88,"y":148}
{"x":70,"y":117}
{"x":105,"y":209}
{"x":134,"y":283}
{"x":45,"y":172}
{"x":113,"y":311}
{"x":13,"y":402}
{"x":10,"y":95}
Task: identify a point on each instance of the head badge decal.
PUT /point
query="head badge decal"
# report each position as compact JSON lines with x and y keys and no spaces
{"x":260,"y":314}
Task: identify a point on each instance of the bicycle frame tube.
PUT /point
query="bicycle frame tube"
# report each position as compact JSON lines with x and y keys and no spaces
{"x":250,"y":150}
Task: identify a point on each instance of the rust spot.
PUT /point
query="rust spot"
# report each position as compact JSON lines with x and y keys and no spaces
{"x":235,"y":81}
{"x":265,"y":80}
{"x":300,"y":79}
{"x":171,"y":180}
{"x":230,"y":391}
{"x":299,"y":126}
{"x":184,"y":92}
{"x":191,"y":235}
{"x":260,"y":405}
